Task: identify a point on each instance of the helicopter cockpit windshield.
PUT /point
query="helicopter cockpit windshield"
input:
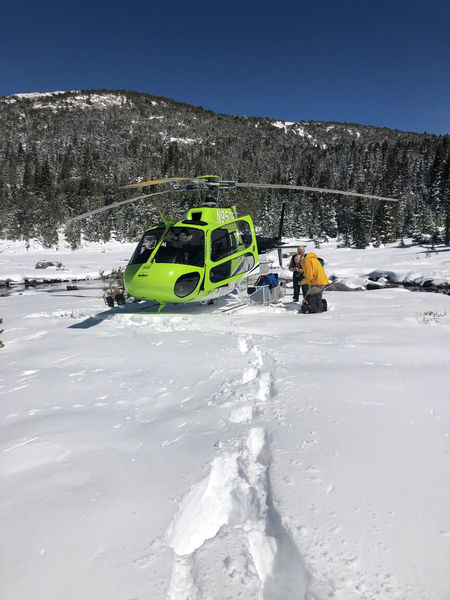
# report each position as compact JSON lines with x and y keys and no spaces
{"x":183,"y":246}
{"x":146,"y":245}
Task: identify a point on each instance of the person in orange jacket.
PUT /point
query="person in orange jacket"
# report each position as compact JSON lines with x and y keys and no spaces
{"x":316,"y":279}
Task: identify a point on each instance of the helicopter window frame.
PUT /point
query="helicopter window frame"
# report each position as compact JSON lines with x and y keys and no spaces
{"x":232,"y":242}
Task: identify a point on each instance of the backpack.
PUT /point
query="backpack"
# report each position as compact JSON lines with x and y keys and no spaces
{"x":271,"y":279}
{"x":322,"y":262}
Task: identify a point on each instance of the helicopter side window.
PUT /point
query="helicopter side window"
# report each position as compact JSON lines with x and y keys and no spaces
{"x":182,"y":246}
{"x":147,"y":244}
{"x":225,"y":241}
{"x":245,"y":263}
{"x":232,"y":267}
{"x":243,"y":235}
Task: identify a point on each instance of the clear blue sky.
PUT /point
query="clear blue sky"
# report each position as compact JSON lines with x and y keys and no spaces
{"x":383,"y":62}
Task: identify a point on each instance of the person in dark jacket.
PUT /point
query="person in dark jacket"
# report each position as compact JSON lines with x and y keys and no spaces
{"x":298,"y":275}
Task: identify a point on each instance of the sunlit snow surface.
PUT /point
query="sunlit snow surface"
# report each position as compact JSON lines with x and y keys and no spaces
{"x":198,"y":455}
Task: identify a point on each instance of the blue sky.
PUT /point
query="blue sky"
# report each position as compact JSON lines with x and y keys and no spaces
{"x":384,"y":62}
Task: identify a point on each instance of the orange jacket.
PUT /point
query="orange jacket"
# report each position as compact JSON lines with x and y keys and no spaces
{"x":314,"y":273}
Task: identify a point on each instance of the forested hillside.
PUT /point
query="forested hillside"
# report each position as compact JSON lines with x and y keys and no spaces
{"x":67,"y":152}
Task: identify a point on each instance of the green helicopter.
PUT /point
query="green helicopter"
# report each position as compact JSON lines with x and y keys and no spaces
{"x":204,"y":255}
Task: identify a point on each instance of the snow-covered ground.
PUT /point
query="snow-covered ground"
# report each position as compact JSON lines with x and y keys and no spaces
{"x":199,"y":455}
{"x":17,"y":264}
{"x":413,"y":263}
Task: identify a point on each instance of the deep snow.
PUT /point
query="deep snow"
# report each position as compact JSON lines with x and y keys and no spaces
{"x":209,"y":456}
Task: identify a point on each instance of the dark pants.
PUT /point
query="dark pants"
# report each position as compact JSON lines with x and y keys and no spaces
{"x":297,"y":286}
{"x":314,"y":297}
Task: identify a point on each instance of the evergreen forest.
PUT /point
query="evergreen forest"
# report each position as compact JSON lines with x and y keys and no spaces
{"x":64,"y":153}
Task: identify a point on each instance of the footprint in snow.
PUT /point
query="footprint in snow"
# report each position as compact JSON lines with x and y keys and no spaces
{"x":244,"y":344}
{"x":237,"y":493}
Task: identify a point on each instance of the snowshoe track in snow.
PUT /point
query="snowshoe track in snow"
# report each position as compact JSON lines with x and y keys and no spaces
{"x":236,"y":495}
{"x":235,"y":500}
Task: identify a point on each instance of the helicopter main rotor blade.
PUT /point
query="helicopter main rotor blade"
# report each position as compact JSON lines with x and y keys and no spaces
{"x":154,"y":182}
{"x":121,"y":203}
{"x":312,"y":189}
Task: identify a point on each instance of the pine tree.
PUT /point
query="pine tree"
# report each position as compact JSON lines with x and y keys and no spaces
{"x":385,"y":223}
{"x":28,"y":179}
{"x":437,"y":175}
{"x":362,"y":224}
{"x":425,"y":219}
{"x":67,"y":164}
{"x":447,"y":223}
{"x":409,"y":219}
{"x":46,"y":179}
{"x":344,"y":219}
{"x":329,"y":222}
{"x":445,"y":195}
{"x":72,"y":234}
{"x":25,"y":212}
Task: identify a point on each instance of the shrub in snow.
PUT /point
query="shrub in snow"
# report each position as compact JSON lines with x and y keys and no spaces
{"x":430,"y":316}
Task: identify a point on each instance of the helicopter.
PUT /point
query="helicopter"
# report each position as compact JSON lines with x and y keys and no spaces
{"x":204,"y":255}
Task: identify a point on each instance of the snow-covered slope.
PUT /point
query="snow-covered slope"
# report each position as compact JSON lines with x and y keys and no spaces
{"x":75,"y":100}
{"x":199,"y":455}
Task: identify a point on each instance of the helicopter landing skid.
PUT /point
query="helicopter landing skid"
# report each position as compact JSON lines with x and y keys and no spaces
{"x":232,"y":309}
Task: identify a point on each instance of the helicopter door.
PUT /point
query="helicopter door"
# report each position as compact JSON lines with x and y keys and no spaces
{"x":232,"y":252}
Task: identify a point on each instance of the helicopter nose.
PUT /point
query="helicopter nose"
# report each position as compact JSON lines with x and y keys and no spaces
{"x":162,"y":282}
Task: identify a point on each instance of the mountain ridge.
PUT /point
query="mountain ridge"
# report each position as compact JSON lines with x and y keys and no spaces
{"x":36,"y":95}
